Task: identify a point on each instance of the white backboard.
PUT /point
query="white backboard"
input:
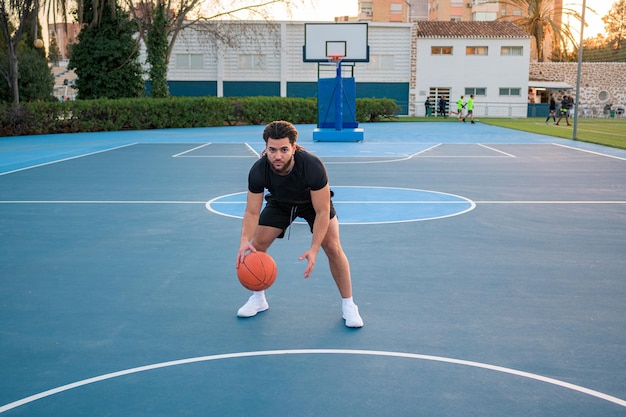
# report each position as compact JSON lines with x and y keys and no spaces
{"x":322,"y":40}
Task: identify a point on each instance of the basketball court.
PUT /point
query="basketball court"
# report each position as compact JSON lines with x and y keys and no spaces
{"x":488,"y":266}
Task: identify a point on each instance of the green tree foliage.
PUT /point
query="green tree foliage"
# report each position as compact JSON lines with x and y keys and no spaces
{"x":156,"y":45}
{"x":35,"y":80}
{"x":105,"y":58}
{"x":54,"y":54}
{"x":17,"y":19}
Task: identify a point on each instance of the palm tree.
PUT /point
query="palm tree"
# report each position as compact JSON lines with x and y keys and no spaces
{"x":541,"y":18}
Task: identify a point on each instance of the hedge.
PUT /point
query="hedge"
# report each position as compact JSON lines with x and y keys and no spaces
{"x":176,"y":112}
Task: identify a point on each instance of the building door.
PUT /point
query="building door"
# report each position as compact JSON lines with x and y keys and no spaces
{"x":436,"y":93}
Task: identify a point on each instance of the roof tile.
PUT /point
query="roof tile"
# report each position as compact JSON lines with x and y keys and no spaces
{"x":450,"y":29}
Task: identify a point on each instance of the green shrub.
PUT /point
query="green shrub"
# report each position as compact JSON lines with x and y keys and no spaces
{"x":375,"y":109}
{"x":173,"y":112}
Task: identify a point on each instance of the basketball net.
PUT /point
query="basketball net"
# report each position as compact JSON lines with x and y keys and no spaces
{"x":335,"y":58}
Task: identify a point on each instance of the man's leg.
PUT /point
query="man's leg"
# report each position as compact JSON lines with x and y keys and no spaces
{"x":337,"y":259}
{"x":340,"y":270}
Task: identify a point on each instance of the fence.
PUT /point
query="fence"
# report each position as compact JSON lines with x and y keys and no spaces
{"x":485,"y":109}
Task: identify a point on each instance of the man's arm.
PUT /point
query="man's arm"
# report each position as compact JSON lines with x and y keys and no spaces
{"x":321,"y":205}
{"x":254,"y":202}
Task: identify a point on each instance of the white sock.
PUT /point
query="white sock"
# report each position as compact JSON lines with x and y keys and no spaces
{"x":346,"y":302}
{"x":258,"y":294}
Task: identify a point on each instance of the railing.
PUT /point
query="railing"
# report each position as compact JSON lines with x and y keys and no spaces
{"x":482,"y":109}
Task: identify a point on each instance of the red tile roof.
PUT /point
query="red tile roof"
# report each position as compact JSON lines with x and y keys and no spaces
{"x":449,"y":29}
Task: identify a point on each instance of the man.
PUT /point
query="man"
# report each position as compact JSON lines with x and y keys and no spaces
{"x":459,"y":108}
{"x":552,"y":109}
{"x":442,"y":106}
{"x":298,"y":187}
{"x":470,"y":109}
{"x":427,"y":105}
{"x":564,"y":110}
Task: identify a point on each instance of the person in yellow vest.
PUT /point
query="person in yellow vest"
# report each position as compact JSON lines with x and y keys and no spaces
{"x":470,"y":108}
{"x":459,"y":108}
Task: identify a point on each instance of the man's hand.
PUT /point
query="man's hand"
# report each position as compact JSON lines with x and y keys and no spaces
{"x":310,"y":255}
{"x":243,"y":249}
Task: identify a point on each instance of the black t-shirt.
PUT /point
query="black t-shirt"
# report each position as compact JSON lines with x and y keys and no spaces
{"x":308,"y":174}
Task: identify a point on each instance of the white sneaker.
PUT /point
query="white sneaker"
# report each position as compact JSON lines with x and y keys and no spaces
{"x":253,"y":306}
{"x":351,"y":316}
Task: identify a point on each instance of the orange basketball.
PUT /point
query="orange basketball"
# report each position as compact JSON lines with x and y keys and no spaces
{"x":257,"y":272}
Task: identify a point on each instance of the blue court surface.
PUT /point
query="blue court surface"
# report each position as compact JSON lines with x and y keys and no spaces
{"x":489,"y":266}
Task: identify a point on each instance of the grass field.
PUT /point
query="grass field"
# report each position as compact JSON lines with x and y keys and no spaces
{"x":609,"y":132}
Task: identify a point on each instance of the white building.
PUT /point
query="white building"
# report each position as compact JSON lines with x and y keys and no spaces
{"x":408,"y":61}
{"x":487,"y":59}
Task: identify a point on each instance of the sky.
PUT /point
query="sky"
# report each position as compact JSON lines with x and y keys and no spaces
{"x":326,"y":10}
{"x":594,"y":21}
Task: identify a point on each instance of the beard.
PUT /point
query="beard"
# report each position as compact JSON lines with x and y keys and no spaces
{"x":284,"y":168}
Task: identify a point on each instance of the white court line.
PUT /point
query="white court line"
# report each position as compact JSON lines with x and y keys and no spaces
{"x":552,"y":202}
{"x":191,"y":150}
{"x":393,"y":159}
{"x":334,"y":201}
{"x":495,"y":368}
{"x":591,"y":152}
{"x":252,"y":149}
{"x":68,"y":159}
{"x":497,"y":150}
{"x":182,"y":154}
{"x":98,"y":202}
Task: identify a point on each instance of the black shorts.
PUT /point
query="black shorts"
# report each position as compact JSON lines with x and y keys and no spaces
{"x":281,"y":215}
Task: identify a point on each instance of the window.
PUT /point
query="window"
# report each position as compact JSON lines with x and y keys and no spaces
{"x":189,"y":61}
{"x":510,"y":91}
{"x":256,"y":62}
{"x":366,"y":8}
{"x":381,"y":62}
{"x":441,"y":50}
{"x":484,"y":16}
{"x":476,"y":50}
{"x":511,"y":50}
{"x":396,"y":8}
{"x":477,"y":91}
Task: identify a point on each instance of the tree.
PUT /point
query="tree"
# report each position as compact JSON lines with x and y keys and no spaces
{"x":156,"y":45}
{"x":105,"y":58}
{"x":542,"y":17}
{"x":54,"y":54}
{"x":615,"y":24}
{"x":16,"y":16}
{"x":35,"y":80}
{"x":201,"y":14}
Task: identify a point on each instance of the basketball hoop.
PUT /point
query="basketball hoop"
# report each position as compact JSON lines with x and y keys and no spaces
{"x":335,"y":58}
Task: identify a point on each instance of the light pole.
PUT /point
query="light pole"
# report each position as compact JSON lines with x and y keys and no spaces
{"x":580,"y":60}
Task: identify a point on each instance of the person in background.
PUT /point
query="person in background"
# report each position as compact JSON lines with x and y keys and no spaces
{"x":470,"y":108}
{"x":552,"y":109}
{"x":442,"y":106}
{"x":460,"y":105}
{"x":564,"y":110}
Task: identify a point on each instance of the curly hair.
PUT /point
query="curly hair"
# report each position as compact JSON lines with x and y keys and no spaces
{"x":280,"y":129}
